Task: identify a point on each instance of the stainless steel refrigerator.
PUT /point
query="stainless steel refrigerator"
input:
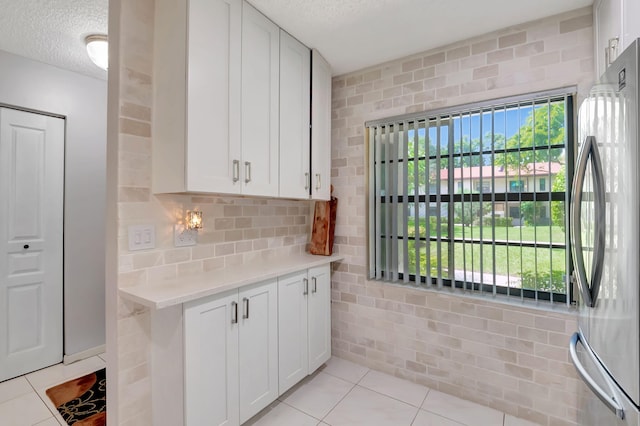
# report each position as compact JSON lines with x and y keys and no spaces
{"x":605,"y":235}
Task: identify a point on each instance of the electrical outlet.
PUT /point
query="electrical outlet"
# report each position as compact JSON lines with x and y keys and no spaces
{"x":183,"y":237}
{"x":142,"y":237}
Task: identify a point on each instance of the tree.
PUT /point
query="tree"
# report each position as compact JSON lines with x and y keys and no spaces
{"x":557,"y":207}
{"x":543,"y":127}
{"x":468,"y":212}
{"x":533,"y":213}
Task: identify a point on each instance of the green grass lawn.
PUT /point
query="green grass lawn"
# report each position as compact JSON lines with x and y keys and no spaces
{"x":542,"y":233}
{"x":540,"y":267}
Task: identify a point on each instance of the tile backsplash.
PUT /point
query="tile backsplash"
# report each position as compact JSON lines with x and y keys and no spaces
{"x":236,"y":231}
{"x":510,"y":356}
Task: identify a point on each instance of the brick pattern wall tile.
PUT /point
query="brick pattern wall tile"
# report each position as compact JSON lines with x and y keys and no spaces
{"x":509,"y":356}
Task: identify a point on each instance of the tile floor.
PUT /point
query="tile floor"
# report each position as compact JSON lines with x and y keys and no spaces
{"x":23,"y":401}
{"x":340,"y":394}
{"x":346,"y":394}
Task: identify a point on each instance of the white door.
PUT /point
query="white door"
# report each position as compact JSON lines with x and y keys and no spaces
{"x":31,"y":221}
{"x":319,"y":316}
{"x":293,"y":350}
{"x":211,"y":361}
{"x":260,"y":97}
{"x":295,"y":105}
{"x":258,"y":364}
{"x":320,"y":127}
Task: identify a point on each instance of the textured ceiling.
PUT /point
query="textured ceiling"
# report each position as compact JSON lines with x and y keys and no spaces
{"x":351,"y":34}
{"x":354,"y":34}
{"x":53,"y":31}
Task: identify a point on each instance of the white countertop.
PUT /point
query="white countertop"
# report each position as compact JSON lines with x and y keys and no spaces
{"x":184,"y":289}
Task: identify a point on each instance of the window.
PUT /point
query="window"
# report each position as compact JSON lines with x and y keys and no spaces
{"x":516,"y":186}
{"x":453,"y":200}
{"x":483,"y":187}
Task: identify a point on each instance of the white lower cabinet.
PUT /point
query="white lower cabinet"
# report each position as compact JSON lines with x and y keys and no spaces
{"x":258,"y":368}
{"x":304,"y":324}
{"x":211,"y":361}
{"x":231,"y":355}
{"x":319,"y":316}
{"x":243,"y":348}
{"x":293,"y":361}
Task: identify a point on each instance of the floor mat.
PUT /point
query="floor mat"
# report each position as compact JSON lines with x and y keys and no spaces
{"x":82,"y":401}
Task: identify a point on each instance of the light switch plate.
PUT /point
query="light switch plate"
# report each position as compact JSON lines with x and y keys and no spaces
{"x":183,"y":237}
{"x":142,"y":237}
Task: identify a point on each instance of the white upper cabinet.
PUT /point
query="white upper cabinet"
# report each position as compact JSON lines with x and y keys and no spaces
{"x":616,"y":27}
{"x":260,"y":103}
{"x":295,"y":94}
{"x":320,"y":127}
{"x":197,"y":75}
{"x":234,"y":99}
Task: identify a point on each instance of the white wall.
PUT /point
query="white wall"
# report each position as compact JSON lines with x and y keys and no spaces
{"x":83,"y":100}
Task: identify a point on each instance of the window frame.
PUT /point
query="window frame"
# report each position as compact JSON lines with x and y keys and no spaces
{"x":569,"y":95}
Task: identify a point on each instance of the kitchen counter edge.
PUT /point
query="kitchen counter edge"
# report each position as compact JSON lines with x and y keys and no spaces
{"x":185,"y":289}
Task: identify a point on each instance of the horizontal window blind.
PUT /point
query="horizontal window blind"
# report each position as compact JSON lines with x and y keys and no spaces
{"x":474,"y":197}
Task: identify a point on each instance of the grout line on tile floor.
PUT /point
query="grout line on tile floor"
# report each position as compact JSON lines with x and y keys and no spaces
{"x":342,"y":378}
{"x":341,"y":399}
{"x":420,"y":407}
{"x":389,"y":396}
{"x":363,"y":376}
{"x":299,"y":410}
{"x":55,"y":413}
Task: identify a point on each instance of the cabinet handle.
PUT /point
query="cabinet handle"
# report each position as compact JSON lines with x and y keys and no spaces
{"x":234,"y":312}
{"x":245,"y":314}
{"x":247,"y":171}
{"x":307,"y":181}
{"x":315,"y":285}
{"x":236,"y":170}
{"x":318,"y":183}
{"x":306,"y":286}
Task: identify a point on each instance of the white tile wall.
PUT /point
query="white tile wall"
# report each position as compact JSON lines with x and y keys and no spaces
{"x":506,"y":356}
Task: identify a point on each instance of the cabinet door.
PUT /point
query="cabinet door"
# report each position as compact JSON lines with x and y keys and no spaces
{"x":258,"y":347}
{"x":293,"y":350}
{"x":260,"y":94}
{"x":213,"y":101}
{"x":211,"y":361}
{"x":319,"y":316}
{"x":608,"y":18}
{"x":320,"y":127}
{"x":295,"y":98}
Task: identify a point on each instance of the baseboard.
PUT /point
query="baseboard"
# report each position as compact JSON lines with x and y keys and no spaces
{"x":70,"y":359}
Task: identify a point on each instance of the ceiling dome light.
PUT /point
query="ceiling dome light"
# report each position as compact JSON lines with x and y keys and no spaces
{"x":98,"y":50}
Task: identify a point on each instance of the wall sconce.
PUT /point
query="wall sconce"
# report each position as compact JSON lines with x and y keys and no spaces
{"x":185,"y":233}
{"x":194,"y":219}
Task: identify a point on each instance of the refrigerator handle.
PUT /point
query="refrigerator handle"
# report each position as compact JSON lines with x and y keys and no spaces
{"x":608,"y":400}
{"x":600,"y":218}
{"x":588,"y":152}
